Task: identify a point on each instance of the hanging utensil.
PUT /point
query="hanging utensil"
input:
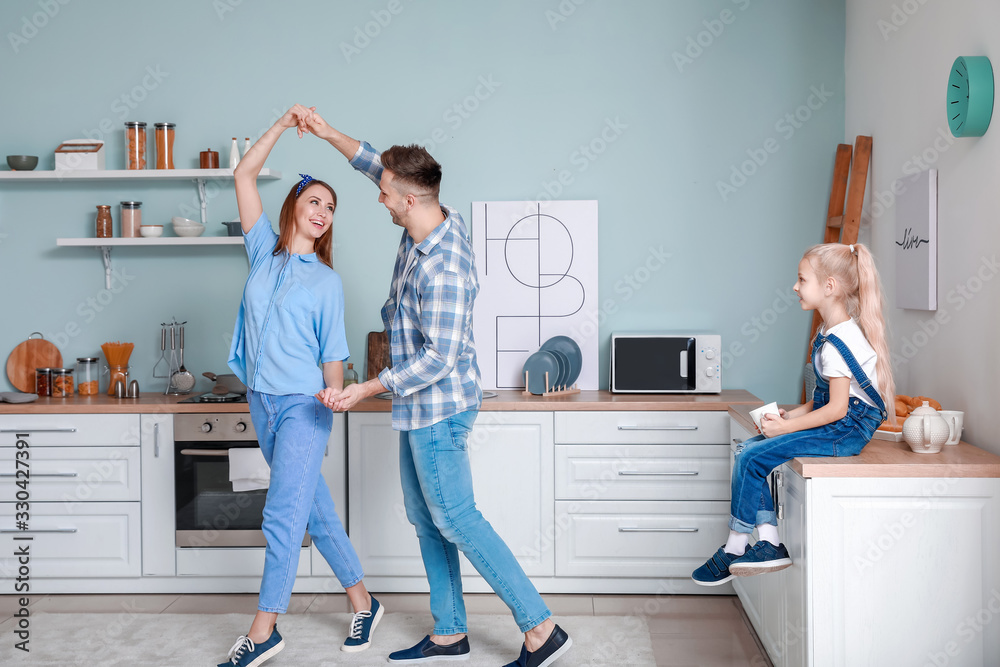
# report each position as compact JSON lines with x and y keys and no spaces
{"x":182,"y":380}
{"x":174,"y":366}
{"x":163,"y":352}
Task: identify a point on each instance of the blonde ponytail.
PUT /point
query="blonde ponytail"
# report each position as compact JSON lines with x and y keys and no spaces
{"x":854,"y":269}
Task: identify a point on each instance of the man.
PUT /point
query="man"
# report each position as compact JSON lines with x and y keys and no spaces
{"x":436,"y":391}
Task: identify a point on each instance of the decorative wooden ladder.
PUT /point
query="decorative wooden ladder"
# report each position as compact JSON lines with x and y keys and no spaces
{"x":842,"y":224}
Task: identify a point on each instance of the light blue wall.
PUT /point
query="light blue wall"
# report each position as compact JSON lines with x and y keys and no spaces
{"x":561,"y":71}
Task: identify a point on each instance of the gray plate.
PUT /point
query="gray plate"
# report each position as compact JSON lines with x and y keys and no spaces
{"x":17,"y":397}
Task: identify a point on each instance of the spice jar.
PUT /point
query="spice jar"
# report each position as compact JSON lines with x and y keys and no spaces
{"x":209,"y":159}
{"x":131,"y":218}
{"x":62,"y":382}
{"x":43,"y":381}
{"x":118,"y":374}
{"x":86,"y":376}
{"x":104,"y":225}
{"x":135,"y":145}
{"x":163,"y":134}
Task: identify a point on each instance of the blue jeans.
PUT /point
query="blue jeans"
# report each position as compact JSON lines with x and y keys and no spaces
{"x":437,"y":492}
{"x":293,"y":432}
{"x":751,"y":504}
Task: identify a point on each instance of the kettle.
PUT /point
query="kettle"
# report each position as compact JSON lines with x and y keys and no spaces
{"x":925,"y":431}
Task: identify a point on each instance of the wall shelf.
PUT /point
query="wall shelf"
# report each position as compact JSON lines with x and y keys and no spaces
{"x":151,"y":242}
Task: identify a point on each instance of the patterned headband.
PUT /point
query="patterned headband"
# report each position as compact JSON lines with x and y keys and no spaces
{"x":306,"y":180}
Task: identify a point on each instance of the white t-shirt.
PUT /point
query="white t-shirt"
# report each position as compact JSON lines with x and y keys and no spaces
{"x":832,"y":365}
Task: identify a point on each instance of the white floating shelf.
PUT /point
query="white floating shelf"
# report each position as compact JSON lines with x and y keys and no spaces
{"x":128,"y":174}
{"x":160,"y":241}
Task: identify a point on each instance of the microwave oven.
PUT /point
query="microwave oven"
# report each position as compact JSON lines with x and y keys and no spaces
{"x":666,"y":363}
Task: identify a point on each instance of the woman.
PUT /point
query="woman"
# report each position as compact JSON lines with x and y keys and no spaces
{"x":290,"y":323}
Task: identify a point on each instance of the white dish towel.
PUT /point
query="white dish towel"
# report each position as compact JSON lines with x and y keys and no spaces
{"x":247,"y":469}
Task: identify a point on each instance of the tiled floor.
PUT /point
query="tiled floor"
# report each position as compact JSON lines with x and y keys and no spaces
{"x":690,"y":631}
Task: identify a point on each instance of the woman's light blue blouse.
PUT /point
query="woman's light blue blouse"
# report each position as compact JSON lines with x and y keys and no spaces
{"x":291,"y":318}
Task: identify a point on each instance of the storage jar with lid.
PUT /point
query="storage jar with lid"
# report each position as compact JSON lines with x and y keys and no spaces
{"x":164,"y":136}
{"x":104,"y":229}
{"x":62,"y":382}
{"x":131,"y":218}
{"x":135,"y":145}
{"x":117,"y":374}
{"x":43,"y":381}
{"x":86,"y":376}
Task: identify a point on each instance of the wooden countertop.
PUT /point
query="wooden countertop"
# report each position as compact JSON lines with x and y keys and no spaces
{"x":588,"y":401}
{"x":884,"y":458}
{"x":506,"y":401}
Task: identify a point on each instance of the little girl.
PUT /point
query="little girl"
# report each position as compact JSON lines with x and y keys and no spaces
{"x":853,"y":385}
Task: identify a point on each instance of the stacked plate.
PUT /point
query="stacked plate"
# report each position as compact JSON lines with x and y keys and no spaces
{"x":555,"y":365}
{"x":185,"y":227}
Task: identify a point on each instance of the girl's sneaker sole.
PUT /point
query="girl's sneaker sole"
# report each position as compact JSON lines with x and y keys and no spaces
{"x":750,"y":569}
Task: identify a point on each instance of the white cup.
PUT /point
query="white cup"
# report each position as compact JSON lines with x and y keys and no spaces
{"x":758,"y":414}
{"x":954,"y":419}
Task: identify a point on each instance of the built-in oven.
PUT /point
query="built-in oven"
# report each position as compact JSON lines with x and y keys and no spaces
{"x":209,"y":513}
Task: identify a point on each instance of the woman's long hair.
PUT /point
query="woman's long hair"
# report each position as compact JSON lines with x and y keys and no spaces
{"x":861,"y":292}
{"x":323,"y":246}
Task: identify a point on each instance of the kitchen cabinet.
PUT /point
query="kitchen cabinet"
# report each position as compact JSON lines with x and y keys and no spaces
{"x":82,"y":494}
{"x":887,"y":568}
{"x":641,"y":494}
{"x":512,"y":466}
{"x":200,"y":177}
{"x":158,"y":507}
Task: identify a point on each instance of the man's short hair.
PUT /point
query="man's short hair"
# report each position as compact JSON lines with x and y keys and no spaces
{"x":414,"y":166}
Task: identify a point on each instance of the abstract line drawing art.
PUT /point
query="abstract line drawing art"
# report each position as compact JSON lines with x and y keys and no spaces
{"x":537,"y":263}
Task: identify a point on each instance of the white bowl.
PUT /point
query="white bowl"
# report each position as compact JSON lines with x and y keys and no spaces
{"x":184,"y":221}
{"x":151,"y":231}
{"x":189,"y":230}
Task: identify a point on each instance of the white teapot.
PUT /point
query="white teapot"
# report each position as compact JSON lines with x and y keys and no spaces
{"x":925,"y":431}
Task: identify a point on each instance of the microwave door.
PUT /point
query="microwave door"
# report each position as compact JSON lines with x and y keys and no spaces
{"x":678,"y":364}
{"x":656,"y":364}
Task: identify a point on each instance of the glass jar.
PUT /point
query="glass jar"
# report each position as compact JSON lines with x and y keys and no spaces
{"x":62,"y":382}
{"x":43,"y":381}
{"x":135,"y":145}
{"x":104,"y":225}
{"x":131,"y":219}
{"x":118,"y":374}
{"x":163,"y":134}
{"x":350,"y":375}
{"x":86,"y":376}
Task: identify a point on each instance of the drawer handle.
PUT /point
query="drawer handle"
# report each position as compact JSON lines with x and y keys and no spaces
{"x":68,"y":429}
{"x":43,"y":474}
{"x":682,"y":473}
{"x":38,"y":530}
{"x":657,"y":428}
{"x":657,"y":530}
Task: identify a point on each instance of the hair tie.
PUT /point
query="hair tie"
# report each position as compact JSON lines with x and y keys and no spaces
{"x":307,"y":179}
{"x":852,"y":248}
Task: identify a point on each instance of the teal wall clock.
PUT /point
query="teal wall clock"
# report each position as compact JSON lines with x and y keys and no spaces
{"x":970,"y":96}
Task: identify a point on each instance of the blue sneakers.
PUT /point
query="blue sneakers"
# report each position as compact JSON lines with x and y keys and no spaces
{"x":428,"y":651}
{"x":716,"y":570}
{"x":245,"y":653}
{"x":761,"y":558}
{"x":362,"y":626}
{"x":555,"y":646}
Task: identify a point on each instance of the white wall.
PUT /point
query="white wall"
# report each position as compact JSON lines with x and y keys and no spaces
{"x":897,"y":59}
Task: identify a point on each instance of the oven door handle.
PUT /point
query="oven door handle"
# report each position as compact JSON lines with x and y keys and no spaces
{"x":204,"y":452}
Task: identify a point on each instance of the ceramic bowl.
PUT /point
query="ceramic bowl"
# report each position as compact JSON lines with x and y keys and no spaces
{"x":22,"y":162}
{"x":178,"y":221}
{"x":189,"y":230}
{"x":151,"y":231}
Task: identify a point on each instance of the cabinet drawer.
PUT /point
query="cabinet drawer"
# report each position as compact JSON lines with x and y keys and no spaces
{"x":641,"y":428}
{"x":230,"y":562}
{"x":94,"y":541}
{"x":71,"y":430}
{"x":642,"y":472}
{"x":637,"y":539}
{"x":73,"y":474}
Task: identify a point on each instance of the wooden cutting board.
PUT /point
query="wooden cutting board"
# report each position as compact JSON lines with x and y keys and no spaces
{"x":26,"y":357}
{"x":379,"y":356}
